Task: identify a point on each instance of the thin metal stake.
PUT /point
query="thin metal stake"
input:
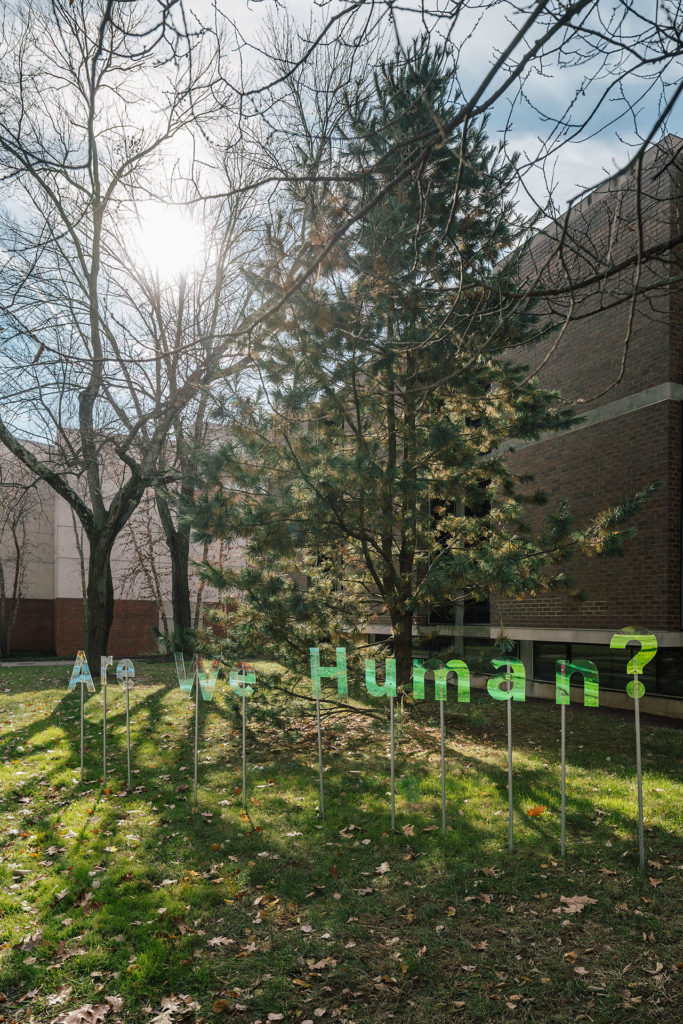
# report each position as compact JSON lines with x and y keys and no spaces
{"x":128,"y":731}
{"x":320,"y":758}
{"x":104,"y":728}
{"x":393,"y":791}
{"x":509,"y":703}
{"x":196,"y":725}
{"x":244,"y":751}
{"x":82,"y":774}
{"x":563,"y":796}
{"x":563,"y":791}
{"x":641,"y":839}
{"x":443,"y":771}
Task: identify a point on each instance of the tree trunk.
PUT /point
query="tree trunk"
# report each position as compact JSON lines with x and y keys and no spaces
{"x":179,"y":547}
{"x":99,"y":604}
{"x":403,"y":651}
{"x":178,"y":542}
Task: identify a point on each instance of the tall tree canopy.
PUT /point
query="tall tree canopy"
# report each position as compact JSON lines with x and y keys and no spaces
{"x":373,"y":457}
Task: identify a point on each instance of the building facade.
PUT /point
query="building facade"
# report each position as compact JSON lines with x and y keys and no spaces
{"x":52,"y":552}
{"x":618,"y":363}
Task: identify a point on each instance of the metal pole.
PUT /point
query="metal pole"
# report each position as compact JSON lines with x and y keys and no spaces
{"x":393,"y":790}
{"x":128,"y":731}
{"x":563,"y":790}
{"x":320,"y":758}
{"x":82,"y":775}
{"x":509,"y":703}
{"x":563,"y":796}
{"x":196,"y":727}
{"x":443,"y":771}
{"x":641,"y":840}
{"x":244,"y":751}
{"x":104,"y":728}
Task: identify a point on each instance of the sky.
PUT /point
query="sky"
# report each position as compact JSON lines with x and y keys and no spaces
{"x":598,"y":152}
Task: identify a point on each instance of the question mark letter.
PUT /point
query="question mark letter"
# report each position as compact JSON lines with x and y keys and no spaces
{"x":648,"y":649}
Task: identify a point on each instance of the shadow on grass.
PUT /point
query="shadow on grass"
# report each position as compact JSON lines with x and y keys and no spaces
{"x":152,"y":872}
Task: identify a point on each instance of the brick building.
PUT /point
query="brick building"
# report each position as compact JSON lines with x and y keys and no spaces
{"x":54,"y":554}
{"x":618,"y":363}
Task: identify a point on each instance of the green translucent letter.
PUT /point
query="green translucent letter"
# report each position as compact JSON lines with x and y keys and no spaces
{"x":463,"y":675}
{"x":648,"y":649}
{"x":240,"y":678}
{"x":337,"y":671}
{"x":591,"y":697}
{"x":517,"y":678}
{"x":184,"y":681}
{"x":81,"y":672}
{"x":440,"y":676}
{"x":371,"y":685}
{"x":207,"y":673}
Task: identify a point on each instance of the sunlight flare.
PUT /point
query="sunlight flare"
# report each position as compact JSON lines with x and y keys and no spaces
{"x":170,"y":243}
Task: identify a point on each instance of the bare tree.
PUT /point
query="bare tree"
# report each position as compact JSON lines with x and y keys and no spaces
{"x":188,"y":322}
{"x":100,"y":104}
{"x":20,"y":508}
{"x":596,"y":82}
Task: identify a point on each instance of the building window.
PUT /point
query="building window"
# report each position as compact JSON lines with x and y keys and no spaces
{"x":663,"y":676}
{"x":479,"y":651}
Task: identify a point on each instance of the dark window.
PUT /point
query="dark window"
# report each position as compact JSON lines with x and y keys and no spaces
{"x":477,"y":613}
{"x":545,"y":656}
{"x":444,"y":616}
{"x":669,"y":668}
{"x":480,"y":650}
{"x":663,"y":675}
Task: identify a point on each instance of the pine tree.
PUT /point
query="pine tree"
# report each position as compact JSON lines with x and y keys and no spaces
{"x":373,"y":459}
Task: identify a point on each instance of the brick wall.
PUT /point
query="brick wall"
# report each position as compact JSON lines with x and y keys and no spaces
{"x":34,"y":629}
{"x":603,"y":233}
{"x":131,"y":632}
{"x":593,"y":468}
{"x":601,"y":463}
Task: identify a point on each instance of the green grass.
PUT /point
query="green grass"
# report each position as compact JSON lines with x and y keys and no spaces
{"x":128,"y":892}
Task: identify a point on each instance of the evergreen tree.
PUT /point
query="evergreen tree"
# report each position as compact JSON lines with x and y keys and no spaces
{"x":372,"y":458}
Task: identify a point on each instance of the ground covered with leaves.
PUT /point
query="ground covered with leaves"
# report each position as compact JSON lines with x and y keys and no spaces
{"x":141,"y":906}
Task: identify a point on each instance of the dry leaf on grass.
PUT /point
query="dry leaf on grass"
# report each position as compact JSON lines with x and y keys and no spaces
{"x":88,"y":1014}
{"x":60,"y":996}
{"x":573,"y":904}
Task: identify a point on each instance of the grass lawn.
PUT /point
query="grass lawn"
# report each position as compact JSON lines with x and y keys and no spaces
{"x":277,"y":915}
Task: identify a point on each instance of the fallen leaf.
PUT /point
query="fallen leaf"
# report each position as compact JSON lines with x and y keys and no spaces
{"x":88,"y":1014}
{"x":60,"y":996}
{"x":573,"y":904}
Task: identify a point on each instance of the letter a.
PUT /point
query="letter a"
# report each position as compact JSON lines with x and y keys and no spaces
{"x":81,"y":673}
